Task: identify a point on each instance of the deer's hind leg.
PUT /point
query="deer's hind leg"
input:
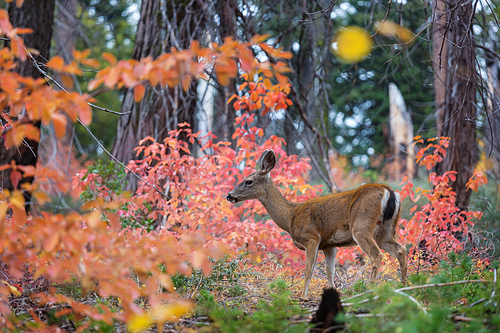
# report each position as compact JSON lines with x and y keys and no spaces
{"x":398,"y":251}
{"x":362,"y":233}
{"x":330,"y":254}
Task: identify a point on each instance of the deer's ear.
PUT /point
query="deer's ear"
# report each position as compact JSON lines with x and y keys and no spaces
{"x":267,"y":161}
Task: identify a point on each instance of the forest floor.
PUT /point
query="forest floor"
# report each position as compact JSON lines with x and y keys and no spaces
{"x":239,"y":296}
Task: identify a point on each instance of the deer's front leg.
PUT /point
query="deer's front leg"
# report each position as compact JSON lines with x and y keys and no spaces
{"x":311,"y":255}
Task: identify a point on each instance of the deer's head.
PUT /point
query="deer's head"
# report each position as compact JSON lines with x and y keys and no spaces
{"x":255,"y":185}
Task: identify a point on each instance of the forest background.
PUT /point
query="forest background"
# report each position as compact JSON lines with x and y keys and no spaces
{"x":204,"y":87}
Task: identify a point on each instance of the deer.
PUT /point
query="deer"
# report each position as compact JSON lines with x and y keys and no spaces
{"x":366,"y":216}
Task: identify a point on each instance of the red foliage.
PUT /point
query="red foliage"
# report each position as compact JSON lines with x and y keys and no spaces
{"x":438,"y":226}
{"x":196,"y":189}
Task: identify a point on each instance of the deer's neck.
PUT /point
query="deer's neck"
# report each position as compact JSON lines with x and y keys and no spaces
{"x":277,"y":206}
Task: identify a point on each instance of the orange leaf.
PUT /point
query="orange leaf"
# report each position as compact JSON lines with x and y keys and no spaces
{"x":139,"y":91}
{"x":246,"y":58}
{"x":111,"y":77}
{"x":17,"y":47}
{"x":28,"y":170}
{"x":56,"y":63}
{"x":15,"y":136}
{"x":67,"y":81}
{"x":186,"y":80}
{"x":50,"y":243}
{"x":59,"y":121}
{"x":109,"y":58}
{"x":84,"y":113}
{"x":15,"y":178}
{"x":22,"y":31}
{"x":80,"y":55}
{"x":94,"y":83}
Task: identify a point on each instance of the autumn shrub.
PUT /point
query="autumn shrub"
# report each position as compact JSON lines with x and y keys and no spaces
{"x":107,"y":181}
{"x":438,"y":227}
{"x":195,"y":189}
{"x":102,"y":180}
{"x":89,"y":245}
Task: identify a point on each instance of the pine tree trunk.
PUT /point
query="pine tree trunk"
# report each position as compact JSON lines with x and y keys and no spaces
{"x":457,"y":112}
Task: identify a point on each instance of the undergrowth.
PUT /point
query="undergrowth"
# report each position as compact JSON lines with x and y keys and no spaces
{"x":272,"y":313}
{"x":462,"y":307}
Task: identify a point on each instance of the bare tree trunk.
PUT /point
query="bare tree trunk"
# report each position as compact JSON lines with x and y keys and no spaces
{"x":127,"y":136}
{"x":39,"y":16}
{"x":163,"y":24}
{"x":225,"y":113}
{"x":457,"y":113}
{"x":492,"y":123}
{"x":440,"y":56}
{"x":56,"y":152}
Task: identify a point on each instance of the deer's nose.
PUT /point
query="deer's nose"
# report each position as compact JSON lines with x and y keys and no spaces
{"x":230,"y":198}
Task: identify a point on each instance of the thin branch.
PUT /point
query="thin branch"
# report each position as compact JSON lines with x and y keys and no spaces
{"x":424,"y":286}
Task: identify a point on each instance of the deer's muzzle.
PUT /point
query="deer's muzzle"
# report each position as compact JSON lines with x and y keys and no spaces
{"x":231,"y":199}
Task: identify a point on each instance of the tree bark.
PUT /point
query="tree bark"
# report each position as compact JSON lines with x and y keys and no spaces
{"x":54,"y":152}
{"x":492,"y":124}
{"x":163,"y":25}
{"x":39,"y":16}
{"x":457,"y":112}
{"x":225,"y":113}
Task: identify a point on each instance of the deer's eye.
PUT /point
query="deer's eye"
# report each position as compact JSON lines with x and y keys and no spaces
{"x":248,"y":182}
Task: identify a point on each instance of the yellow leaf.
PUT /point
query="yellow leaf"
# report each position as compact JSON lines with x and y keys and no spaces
{"x":171,"y":312}
{"x":352,"y":44}
{"x":389,"y":29}
{"x":40,"y":197}
{"x":13,"y":289}
{"x":17,"y":199}
{"x":140,"y":323}
{"x":3,"y":209}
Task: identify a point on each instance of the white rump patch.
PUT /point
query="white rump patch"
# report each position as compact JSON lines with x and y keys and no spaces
{"x":398,"y":200}
{"x":385,"y":199}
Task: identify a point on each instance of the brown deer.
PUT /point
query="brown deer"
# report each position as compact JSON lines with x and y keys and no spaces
{"x":366,"y":216}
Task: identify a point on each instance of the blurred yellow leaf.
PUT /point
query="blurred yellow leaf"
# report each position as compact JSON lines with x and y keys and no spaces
{"x":171,"y":312}
{"x":140,"y":323}
{"x":391,"y":29}
{"x":13,"y":289}
{"x":352,"y":44}
{"x":17,"y":199}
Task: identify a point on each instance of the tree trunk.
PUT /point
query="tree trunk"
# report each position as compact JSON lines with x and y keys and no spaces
{"x":39,"y":16}
{"x":54,"y":152}
{"x":163,"y":25}
{"x":225,"y":113}
{"x":457,"y":112}
{"x":492,"y":123}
